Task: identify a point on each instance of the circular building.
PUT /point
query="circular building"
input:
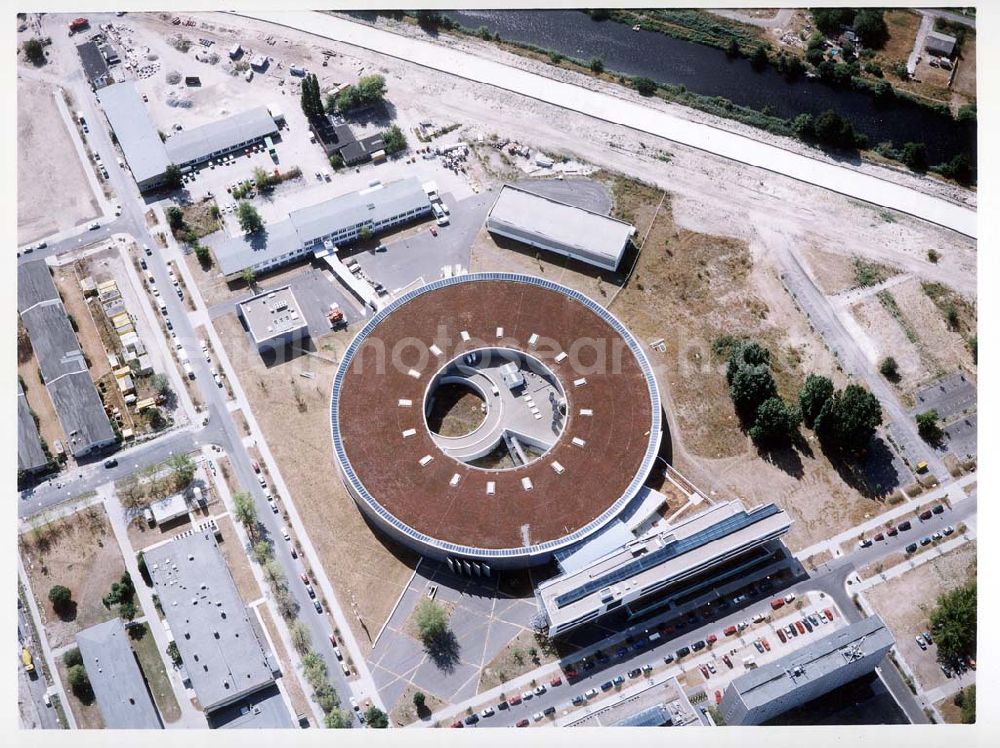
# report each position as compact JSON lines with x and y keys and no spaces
{"x":493,"y":419}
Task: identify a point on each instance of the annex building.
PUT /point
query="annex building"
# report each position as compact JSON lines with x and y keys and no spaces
{"x":555,"y":226}
{"x":274,"y":318}
{"x":807,"y":673}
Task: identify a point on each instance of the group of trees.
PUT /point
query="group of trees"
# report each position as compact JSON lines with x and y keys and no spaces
{"x":953,"y":623}
{"x":369,"y":90}
{"x":829,"y":129}
{"x":76,"y":675}
{"x":172,"y":177}
{"x":394,"y":139}
{"x":844,"y":420}
{"x":311,"y":99}
{"x":122,"y":594}
{"x":770,"y":420}
{"x":868,"y":24}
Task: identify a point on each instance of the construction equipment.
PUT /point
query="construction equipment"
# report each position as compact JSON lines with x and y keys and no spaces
{"x":29,"y":663}
{"x":336,"y":316}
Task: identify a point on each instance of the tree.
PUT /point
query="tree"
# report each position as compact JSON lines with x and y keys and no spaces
{"x":758,"y":58}
{"x":848,"y":419}
{"x":645,"y":86}
{"x":732,"y":47}
{"x":804,"y":126}
{"x":428,"y":19}
{"x":249,"y":276}
{"x":181,"y":470}
{"x":301,"y":639}
{"x":431,"y":620}
{"x":250,"y":220}
{"x":336,"y":161}
{"x":774,"y":423}
{"x":245,"y":512}
{"x":959,"y":168}
{"x":175,"y":218}
{"x":953,"y":622}
{"x":34,"y":51}
{"x":122,"y":594}
{"x":172,"y":177}
{"x":967,"y":113}
{"x":160,"y":383}
{"x":261,"y":551}
{"x":174,"y":653}
{"x":262,"y":178}
{"x":966,"y":701}
{"x":794,"y":68}
{"x":314,"y":669}
{"x":394,"y":139}
{"x":746,"y":353}
{"x":815,"y":57}
{"x":310,"y":99}
{"x":889,"y":368}
{"x":376,"y":718}
{"x":80,"y":683}
{"x":326,"y":697}
{"x":884,"y":92}
{"x":596,"y":65}
{"x":419,"y":701}
{"x":928,"y":427}
{"x":367,"y":91}
{"x":749,"y":376}
{"x":72,"y":657}
{"x":337,"y":719}
{"x":364,"y":234}
{"x":829,"y":20}
{"x":870,"y":27}
{"x":204,"y":255}
{"x":915,"y":156}
{"x":60,"y":597}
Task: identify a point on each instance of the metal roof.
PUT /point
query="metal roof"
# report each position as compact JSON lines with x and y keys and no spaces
{"x":587,"y":235}
{"x":146,"y":155}
{"x":238,"y":252}
{"x":199,"y":143}
{"x":61,"y":361}
{"x":372,"y":205}
{"x":816,"y":659}
{"x":114,"y":674}
{"x":655,"y":716}
{"x":222,"y":654}
{"x":30,"y":455}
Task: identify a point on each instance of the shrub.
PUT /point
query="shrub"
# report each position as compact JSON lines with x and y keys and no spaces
{"x":928,"y":427}
{"x":60,"y":597}
{"x":72,"y":657}
{"x":914,"y":155}
{"x":34,"y":51}
{"x":889,"y":368}
{"x":933,"y":255}
{"x":645,"y":86}
{"x":395,"y":140}
{"x":175,"y":218}
{"x":431,"y":620}
{"x":375,"y":717}
{"x":758,"y":58}
{"x":419,"y":700}
{"x":80,"y":683}
{"x":596,"y":65}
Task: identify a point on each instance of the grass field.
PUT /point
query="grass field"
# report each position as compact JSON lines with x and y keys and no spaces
{"x":155,"y":671}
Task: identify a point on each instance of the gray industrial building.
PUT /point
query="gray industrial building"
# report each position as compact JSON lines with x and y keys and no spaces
{"x":940,"y":44}
{"x":807,"y":673}
{"x":722,"y":542}
{"x":114,"y":674}
{"x":148,"y":156}
{"x":274,"y":318}
{"x":30,"y":455}
{"x":338,"y":220}
{"x":224,"y":654}
{"x":557,"y":227}
{"x":67,"y":377}
{"x":95,"y":67}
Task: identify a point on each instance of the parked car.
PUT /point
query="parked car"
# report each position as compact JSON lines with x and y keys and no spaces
{"x":919,"y":639}
{"x":711,"y":667}
{"x":557,"y":681}
{"x":698,"y":646}
{"x":948,"y":530}
{"x":711,"y":638}
{"x":319,"y":608}
{"x":911,"y":548}
{"x":549,"y":710}
{"x":925,"y":515}
{"x":579,"y":699}
{"x":527,"y":695}
{"x":503,"y":705}
{"x":683,"y":652}
{"x":927,"y":637}
{"x":634,"y":672}
{"x":759,"y":647}
{"x":591,"y":693}
{"x":522,"y":723}
{"x":95,"y":225}
{"x":781,"y":636}
{"x":619,"y":679}
{"x":892,"y":532}
{"x":729,"y":662}
{"x":704,"y":671}
{"x":766,"y":643}
{"x":472,"y":719}
{"x":487,"y":712}
{"x":274,"y":507}
{"x":607,"y":685}
{"x":110,"y":463}
{"x":938,"y":509}
{"x":800,"y":627}
{"x":805,"y":622}
{"x":457,"y":723}
{"x":539,"y":690}
{"x":570,"y":673}
{"x":789,"y":597}
{"x":879,"y":536}
{"x":514,"y":700}
{"x":925,"y":540}
{"x":864,"y":543}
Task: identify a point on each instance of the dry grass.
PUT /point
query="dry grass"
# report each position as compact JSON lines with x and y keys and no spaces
{"x":964,"y":82}
{"x":514,"y":660}
{"x":919,"y":589}
{"x":237,"y":561}
{"x":359,"y":562}
{"x":199,"y":218}
{"x":152,"y":666}
{"x":902,"y":25}
{"x":79,"y":552}
{"x":457,"y":410}
{"x":833,"y":273}
{"x":950,"y":712}
{"x":300,"y":703}
{"x":39,"y":401}
{"x":88,"y":716}
{"x":889,"y":338}
{"x":404,"y":712}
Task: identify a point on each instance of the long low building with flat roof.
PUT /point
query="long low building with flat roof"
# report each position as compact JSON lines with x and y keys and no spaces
{"x":30,"y":455}
{"x":554,"y":226}
{"x":338,"y":220}
{"x":655,"y":564}
{"x":117,"y":681}
{"x":60,"y":360}
{"x":224,"y":653}
{"x":148,"y":155}
{"x":807,"y":673}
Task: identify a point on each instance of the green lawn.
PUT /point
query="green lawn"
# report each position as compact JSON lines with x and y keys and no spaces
{"x":155,"y":672}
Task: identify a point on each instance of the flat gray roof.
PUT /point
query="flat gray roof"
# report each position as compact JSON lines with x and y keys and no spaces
{"x":222,"y":654}
{"x":586,"y":233}
{"x":373,"y":205}
{"x":137,"y":135}
{"x":264,"y":710}
{"x":817,"y":659}
{"x":114,"y":674}
{"x":239,"y":252}
{"x":30,"y":455}
{"x":201,"y":142}
{"x":272,"y":314}
{"x":94,"y":64}
{"x":61,"y":361}
{"x":679,"y":551}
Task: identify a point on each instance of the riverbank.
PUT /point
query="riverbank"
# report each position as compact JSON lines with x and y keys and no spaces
{"x":516,"y":58}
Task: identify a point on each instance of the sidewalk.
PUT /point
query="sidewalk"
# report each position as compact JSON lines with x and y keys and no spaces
{"x":913,"y":563}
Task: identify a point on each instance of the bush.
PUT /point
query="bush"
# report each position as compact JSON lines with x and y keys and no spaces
{"x":72,"y":657}
{"x":901,"y":71}
{"x":775,"y":422}
{"x":375,"y":717}
{"x":928,"y":427}
{"x":966,"y":701}
{"x":337,"y":161}
{"x":175,"y":218}
{"x":367,"y":91}
{"x":204,"y":255}
{"x":80,"y":683}
{"x":967,"y":113}
{"x":419,"y":700}
{"x":645,"y":86}
{"x":60,"y":597}
{"x":889,"y":369}
{"x":933,"y":255}
{"x":174,"y":653}
{"x":749,"y":377}
{"x":431,"y":620}
{"x":596,"y":65}
{"x":758,"y":58}
{"x":326,"y":697}
{"x":338,"y":719}
{"x":914,"y":155}
{"x":873,"y":68}
{"x":959,"y":168}
{"x":34,"y":51}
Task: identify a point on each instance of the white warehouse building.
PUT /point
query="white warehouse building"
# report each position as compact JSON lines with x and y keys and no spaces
{"x":558,"y":227}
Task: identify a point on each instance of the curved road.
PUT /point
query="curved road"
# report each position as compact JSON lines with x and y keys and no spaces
{"x":631,"y":114}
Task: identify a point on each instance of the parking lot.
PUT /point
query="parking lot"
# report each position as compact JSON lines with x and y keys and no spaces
{"x":582,"y":193}
{"x":954,"y":399}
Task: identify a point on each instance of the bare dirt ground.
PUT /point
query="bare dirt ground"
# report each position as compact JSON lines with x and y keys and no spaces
{"x":833,"y":273}
{"x":920,"y":588}
{"x":404,"y":712}
{"x":237,"y":561}
{"x":963,"y":85}
{"x":53,"y":192}
{"x":513,"y":660}
{"x":78,"y":552}
{"x":358,"y":562}
{"x":291,"y":682}
{"x":888,"y":338}
{"x":948,"y":348}
{"x":950,"y":712}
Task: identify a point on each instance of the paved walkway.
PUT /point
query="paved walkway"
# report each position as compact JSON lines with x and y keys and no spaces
{"x":631,"y":113}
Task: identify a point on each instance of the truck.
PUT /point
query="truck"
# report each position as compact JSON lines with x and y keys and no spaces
{"x":188,"y":370}
{"x":336,"y":316}
{"x":777,"y":603}
{"x":26,"y":660}
{"x":78,"y":24}
{"x":298,"y":71}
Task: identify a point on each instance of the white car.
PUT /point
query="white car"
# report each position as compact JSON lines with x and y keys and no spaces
{"x":537,"y":716}
{"x":284,"y":533}
{"x":273,"y":505}
{"x":591,"y":693}
{"x":354,"y":704}
{"x":338,"y":653}
{"x":527,"y":695}
{"x":487,"y":712}
{"x":95,"y":225}
{"x":789,"y":597}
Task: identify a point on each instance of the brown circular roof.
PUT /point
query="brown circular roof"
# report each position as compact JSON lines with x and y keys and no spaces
{"x":596,"y":467}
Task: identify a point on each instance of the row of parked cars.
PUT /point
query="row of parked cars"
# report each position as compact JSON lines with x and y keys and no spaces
{"x":513,"y":701}
{"x":907,"y":525}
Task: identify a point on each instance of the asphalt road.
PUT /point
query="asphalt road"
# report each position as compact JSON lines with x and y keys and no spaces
{"x":35,"y":715}
{"x":222,"y":429}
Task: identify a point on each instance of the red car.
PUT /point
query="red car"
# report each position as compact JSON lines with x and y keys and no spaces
{"x":781,"y":635}
{"x":304,"y":577}
{"x":880,"y":536}
{"x":522,"y":723}
{"x":712,"y":639}
{"x":766,"y":643}
{"x":557,"y":681}
{"x":434,"y":231}
{"x":256,"y":468}
{"x":777,"y":603}
{"x":718,"y":697}
{"x":829,"y":613}
{"x":800,"y":627}
{"x":457,"y":723}
{"x":925,"y":514}
{"x":333,"y":640}
{"x":892,"y":532}
{"x":704,"y":671}
{"x":729,"y":663}
{"x":514,"y":700}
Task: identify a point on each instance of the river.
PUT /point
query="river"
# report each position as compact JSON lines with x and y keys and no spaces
{"x":709,"y":71}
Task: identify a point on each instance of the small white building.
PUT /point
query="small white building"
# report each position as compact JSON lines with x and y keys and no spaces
{"x":274,"y":319}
